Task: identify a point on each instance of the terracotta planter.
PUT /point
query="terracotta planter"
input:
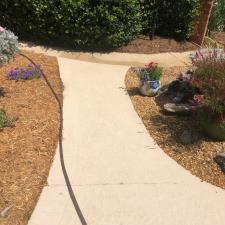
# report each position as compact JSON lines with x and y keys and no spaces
{"x":149,"y":88}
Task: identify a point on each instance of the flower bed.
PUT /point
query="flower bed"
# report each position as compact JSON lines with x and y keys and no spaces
{"x":27,"y":148}
{"x":209,"y":77}
{"x":166,"y":130}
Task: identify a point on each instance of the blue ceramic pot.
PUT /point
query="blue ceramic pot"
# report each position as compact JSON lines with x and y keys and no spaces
{"x":149,"y":88}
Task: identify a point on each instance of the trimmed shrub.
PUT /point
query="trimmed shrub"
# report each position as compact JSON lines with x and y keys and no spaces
{"x":97,"y":24}
{"x":82,"y":23}
{"x":171,"y":18}
{"x":149,"y":14}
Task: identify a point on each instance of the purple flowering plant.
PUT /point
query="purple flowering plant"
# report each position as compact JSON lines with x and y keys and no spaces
{"x":28,"y":73}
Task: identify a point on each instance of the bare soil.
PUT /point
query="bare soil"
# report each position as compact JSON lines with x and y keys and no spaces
{"x":28,"y":148}
{"x":166,"y":130}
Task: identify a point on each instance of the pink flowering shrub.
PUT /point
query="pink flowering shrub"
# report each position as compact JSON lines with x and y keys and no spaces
{"x":209,"y":77}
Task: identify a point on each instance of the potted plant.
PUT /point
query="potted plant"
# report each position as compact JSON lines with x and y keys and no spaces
{"x":150,"y":79}
{"x":209,"y":77}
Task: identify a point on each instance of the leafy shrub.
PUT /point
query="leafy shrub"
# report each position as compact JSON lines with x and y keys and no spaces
{"x":151,"y":72}
{"x":99,"y":24}
{"x":217,"y":19}
{"x":8,"y":45}
{"x":173,"y":18}
{"x":5,"y":121}
{"x":149,"y":13}
{"x":81,"y":23}
{"x":209,"y":77}
{"x":28,"y":73}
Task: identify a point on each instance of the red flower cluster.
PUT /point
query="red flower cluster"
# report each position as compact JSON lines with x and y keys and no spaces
{"x":151,"y":66}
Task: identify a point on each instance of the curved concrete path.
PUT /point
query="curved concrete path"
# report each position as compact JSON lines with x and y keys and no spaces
{"x":113,"y":58}
{"x":119,"y":174}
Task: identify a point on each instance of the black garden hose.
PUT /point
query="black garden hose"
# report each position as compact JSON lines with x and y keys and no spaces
{"x":67,"y":180}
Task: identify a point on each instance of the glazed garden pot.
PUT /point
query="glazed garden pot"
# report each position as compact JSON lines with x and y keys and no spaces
{"x":213,"y":130}
{"x":149,"y":88}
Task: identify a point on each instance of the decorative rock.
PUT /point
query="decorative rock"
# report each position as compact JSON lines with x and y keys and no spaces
{"x":220,"y":160}
{"x":178,"y":108}
{"x":178,"y":98}
{"x":187,"y":75}
{"x":181,"y":91}
{"x":187,"y":137}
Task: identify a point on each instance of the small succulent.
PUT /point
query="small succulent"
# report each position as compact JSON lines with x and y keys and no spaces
{"x":8,"y":45}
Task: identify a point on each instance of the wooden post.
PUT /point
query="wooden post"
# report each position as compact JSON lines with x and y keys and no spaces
{"x":202,"y":22}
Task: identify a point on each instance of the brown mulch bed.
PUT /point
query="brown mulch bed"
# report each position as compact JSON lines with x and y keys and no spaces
{"x":143,"y":44}
{"x":166,"y":130}
{"x":28,"y":148}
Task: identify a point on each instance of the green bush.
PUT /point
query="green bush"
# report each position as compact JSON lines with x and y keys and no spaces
{"x":217,"y":20}
{"x":82,"y":23}
{"x":172,"y":18}
{"x":148,"y":13}
{"x":97,"y":24}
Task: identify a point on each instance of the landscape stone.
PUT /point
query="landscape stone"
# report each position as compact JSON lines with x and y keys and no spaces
{"x":189,"y":137}
{"x":220,"y":160}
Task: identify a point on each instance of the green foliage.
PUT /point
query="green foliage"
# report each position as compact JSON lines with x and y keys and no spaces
{"x":209,"y":77}
{"x":8,"y":45}
{"x":97,"y":24}
{"x":149,"y":14}
{"x":80,"y":23}
{"x":5,"y":121}
{"x":151,"y":72}
{"x":170,"y":17}
{"x":217,"y":20}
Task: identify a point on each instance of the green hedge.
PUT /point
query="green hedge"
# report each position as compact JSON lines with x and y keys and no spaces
{"x":171,"y":17}
{"x":83,"y":23}
{"x":96,"y":24}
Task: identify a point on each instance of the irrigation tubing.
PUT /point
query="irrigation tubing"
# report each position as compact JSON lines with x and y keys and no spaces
{"x":67,"y":180}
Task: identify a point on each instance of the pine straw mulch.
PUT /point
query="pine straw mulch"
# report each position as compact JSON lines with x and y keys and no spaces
{"x":28,"y":148}
{"x":166,"y":130}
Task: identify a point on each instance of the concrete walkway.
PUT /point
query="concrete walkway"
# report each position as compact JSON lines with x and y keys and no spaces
{"x":119,"y":174}
{"x":114,"y":58}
